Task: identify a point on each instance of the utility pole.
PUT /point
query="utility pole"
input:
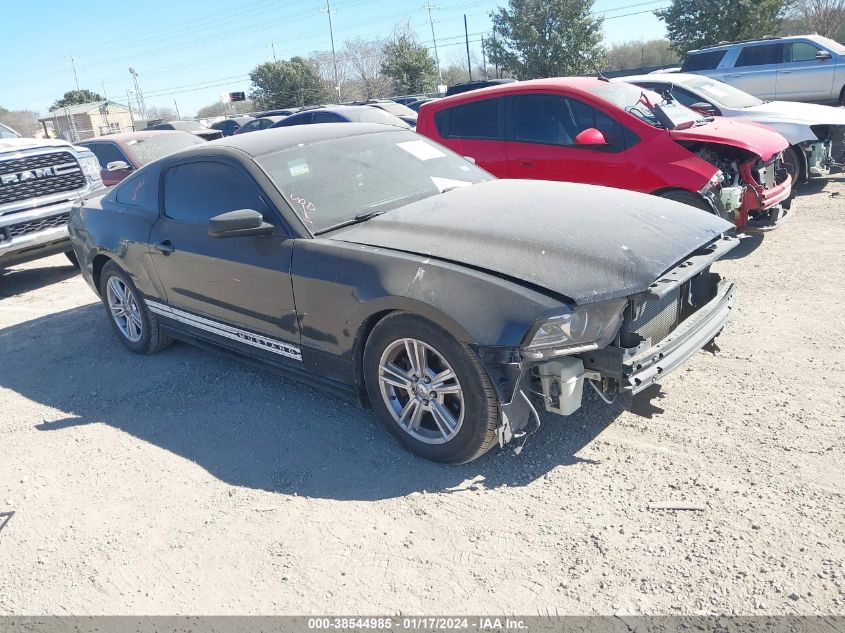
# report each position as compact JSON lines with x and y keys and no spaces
{"x":430,"y":6}
{"x":139,"y":97}
{"x":129,"y":105}
{"x":496,"y":63}
{"x":484,"y":59}
{"x":273,"y":46}
{"x":466,"y":38}
{"x":75,"y":77}
{"x":328,"y":10}
{"x":105,"y":96}
{"x":176,"y":105}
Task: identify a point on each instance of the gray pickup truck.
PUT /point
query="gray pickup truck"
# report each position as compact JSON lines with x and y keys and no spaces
{"x":807,"y":68}
{"x":39,"y":182}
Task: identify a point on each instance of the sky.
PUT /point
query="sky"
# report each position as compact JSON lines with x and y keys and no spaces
{"x":189,"y":51}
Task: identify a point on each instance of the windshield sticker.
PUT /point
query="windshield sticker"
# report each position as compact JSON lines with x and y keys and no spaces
{"x":298,"y":167}
{"x":445,"y":184}
{"x":421,"y":150}
{"x":304,"y":204}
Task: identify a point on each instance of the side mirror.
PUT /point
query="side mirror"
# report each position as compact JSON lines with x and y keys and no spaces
{"x":470,"y":159}
{"x":117,"y":165}
{"x":702,"y":107}
{"x":240,"y":223}
{"x":590,"y":136}
{"x":822,"y":55}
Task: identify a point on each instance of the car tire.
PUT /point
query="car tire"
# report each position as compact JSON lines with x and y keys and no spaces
{"x":139,"y":330}
{"x":793,"y":164}
{"x":688,"y":198}
{"x":71,"y":256}
{"x":413,"y":410}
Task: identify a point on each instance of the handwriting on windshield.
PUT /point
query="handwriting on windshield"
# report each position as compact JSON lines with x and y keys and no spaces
{"x":304,"y":204}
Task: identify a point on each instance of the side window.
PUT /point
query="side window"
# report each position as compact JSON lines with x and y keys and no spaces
{"x":107,"y":153}
{"x":702,"y":61}
{"x":476,"y":120}
{"x":684,"y":97}
{"x":760,"y":55}
{"x":326,"y":117}
{"x":586,"y":116}
{"x":801,"y":52}
{"x":264,"y":124}
{"x":139,"y":190}
{"x":543,"y":119}
{"x":295,"y":120}
{"x":196,"y":192}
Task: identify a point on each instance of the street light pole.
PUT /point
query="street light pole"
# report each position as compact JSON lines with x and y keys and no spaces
{"x":430,"y":6}
{"x":329,"y":11}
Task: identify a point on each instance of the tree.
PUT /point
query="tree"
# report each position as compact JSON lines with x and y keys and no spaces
{"x":24,"y":122}
{"x":692,"y":24}
{"x":546,"y":38}
{"x":364,"y":60}
{"x":221,"y":109}
{"x":287,"y":83}
{"x":154,"y":113}
{"x":825,"y":17}
{"x":640,"y":53}
{"x":408,"y":64}
{"x":75,"y":97}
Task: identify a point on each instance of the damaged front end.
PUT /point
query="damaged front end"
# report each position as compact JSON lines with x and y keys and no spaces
{"x":818,"y":154}
{"x":752,"y":193}
{"x":640,"y":339}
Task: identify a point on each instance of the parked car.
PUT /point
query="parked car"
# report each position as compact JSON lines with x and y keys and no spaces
{"x":810,"y":128}
{"x":194,"y":127}
{"x":795,"y":68}
{"x":7,"y":132}
{"x":415,"y":105}
{"x":121,"y":154}
{"x":230,"y":126}
{"x":39,"y":181}
{"x":398,"y":110}
{"x":280,"y":112}
{"x":372,"y":260}
{"x":591,"y":130}
{"x":261,"y":123}
{"x":476,"y":85}
{"x":341,"y":114}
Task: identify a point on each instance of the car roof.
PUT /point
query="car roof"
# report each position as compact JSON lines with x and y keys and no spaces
{"x":275,"y":118}
{"x":761,"y":40}
{"x":574,"y":84}
{"x":677,"y":78}
{"x":122,"y":137}
{"x":275,"y":139}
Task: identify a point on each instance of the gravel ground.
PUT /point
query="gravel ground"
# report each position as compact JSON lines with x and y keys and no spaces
{"x":190,"y":483}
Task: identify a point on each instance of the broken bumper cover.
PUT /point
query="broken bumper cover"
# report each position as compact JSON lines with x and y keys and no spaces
{"x":651,"y":365}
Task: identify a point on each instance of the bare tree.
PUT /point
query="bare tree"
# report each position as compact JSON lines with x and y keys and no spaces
{"x":825,"y":17}
{"x":364,"y":59}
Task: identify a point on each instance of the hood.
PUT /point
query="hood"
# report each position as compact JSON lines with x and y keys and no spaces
{"x":586,"y":242}
{"x":794,"y":112}
{"x":18,"y":144}
{"x":762,"y":141}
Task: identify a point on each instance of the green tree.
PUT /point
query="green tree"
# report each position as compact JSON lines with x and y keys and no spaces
{"x":546,"y":38}
{"x":692,"y":24}
{"x":75,"y":97}
{"x":287,"y":83}
{"x":408,"y":64}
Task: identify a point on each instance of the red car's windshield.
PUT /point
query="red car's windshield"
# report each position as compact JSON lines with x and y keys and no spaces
{"x":647,"y":106}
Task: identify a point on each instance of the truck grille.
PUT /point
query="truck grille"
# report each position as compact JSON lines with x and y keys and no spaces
{"x":655,"y":319}
{"x":34,"y":226}
{"x":45,"y":183}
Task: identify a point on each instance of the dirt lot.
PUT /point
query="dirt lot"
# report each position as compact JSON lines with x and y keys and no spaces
{"x":190,"y":483}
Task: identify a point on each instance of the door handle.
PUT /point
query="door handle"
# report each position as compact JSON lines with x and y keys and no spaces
{"x":165,"y":246}
{"x":526,"y":163}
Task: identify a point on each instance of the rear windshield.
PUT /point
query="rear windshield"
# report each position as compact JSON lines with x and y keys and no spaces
{"x":146,"y":150}
{"x":707,"y":60}
{"x":366,"y":114}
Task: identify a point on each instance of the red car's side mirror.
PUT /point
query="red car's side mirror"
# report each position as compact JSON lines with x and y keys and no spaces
{"x":590,"y":136}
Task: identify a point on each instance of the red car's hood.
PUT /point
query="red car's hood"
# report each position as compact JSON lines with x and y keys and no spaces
{"x":761,"y":140}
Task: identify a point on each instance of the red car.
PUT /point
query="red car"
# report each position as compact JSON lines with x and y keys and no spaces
{"x":593,"y":131}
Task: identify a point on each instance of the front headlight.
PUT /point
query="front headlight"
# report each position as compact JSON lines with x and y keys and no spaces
{"x":90,"y":166}
{"x":579,"y":329}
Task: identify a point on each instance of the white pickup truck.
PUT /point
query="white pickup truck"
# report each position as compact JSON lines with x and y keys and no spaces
{"x":39,"y":182}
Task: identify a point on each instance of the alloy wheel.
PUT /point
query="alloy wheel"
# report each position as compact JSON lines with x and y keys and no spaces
{"x":421,"y":391}
{"x":124,"y":309}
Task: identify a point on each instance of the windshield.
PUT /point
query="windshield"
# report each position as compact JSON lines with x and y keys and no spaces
{"x":836,"y":47}
{"x":721,"y":93}
{"x":329,"y":183}
{"x":146,"y":150}
{"x":646,"y":105}
{"x":367,"y":114}
{"x":186,"y":125}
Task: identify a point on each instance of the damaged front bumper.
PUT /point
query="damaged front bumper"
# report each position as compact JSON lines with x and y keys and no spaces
{"x":625,"y":368}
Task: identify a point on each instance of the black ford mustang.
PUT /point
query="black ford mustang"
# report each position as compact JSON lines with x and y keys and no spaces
{"x":379,"y":262}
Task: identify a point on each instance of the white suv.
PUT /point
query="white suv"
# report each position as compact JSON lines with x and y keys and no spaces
{"x":795,"y":68}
